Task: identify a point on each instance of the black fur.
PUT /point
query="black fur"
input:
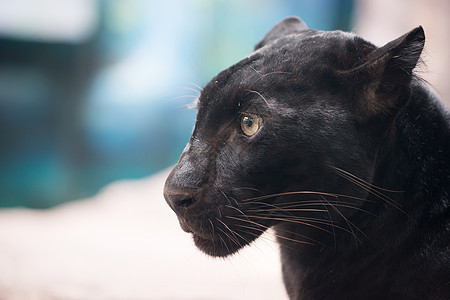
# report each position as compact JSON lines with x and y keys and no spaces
{"x":351,"y":166}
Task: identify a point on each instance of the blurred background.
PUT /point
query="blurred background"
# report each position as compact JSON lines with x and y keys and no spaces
{"x":92,"y":91}
{"x":93,"y":107}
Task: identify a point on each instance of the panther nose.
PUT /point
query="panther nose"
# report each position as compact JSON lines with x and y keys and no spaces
{"x":179,"y":201}
{"x":183,"y":185}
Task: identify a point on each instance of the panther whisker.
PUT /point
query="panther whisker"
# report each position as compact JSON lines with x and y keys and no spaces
{"x":313,"y":220}
{"x":212,"y":232}
{"x":212,"y":226}
{"x":249,"y":189}
{"x":230,"y":237}
{"x":348,"y":224}
{"x":284,"y":220}
{"x":330,"y":220}
{"x":278,"y":235}
{"x":270,"y":240}
{"x":289,"y":206}
{"x":369,"y":189}
{"x":226,"y":197}
{"x":183,"y":97}
{"x":237,"y":209}
{"x":260,"y":95}
{"x":264,"y":228}
{"x":285,"y":231}
{"x":286,"y":246}
{"x":277,"y":73}
{"x":305,"y":193}
{"x":324,"y":222}
{"x":339,"y":170}
{"x":232,"y":231}
{"x":283,"y":205}
{"x":197,"y":89}
{"x":263,"y":76}
{"x":198,"y":92}
{"x":222,"y":240}
{"x":373,"y":190}
{"x":290,"y":209}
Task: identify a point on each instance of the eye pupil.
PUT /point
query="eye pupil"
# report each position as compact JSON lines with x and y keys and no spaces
{"x":248,"y":121}
{"x":250,"y":124}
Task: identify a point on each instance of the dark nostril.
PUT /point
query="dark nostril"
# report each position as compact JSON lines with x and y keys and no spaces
{"x":185,"y":203}
{"x":179,"y":201}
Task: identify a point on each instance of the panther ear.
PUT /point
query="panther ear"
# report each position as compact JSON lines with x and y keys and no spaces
{"x":382,"y":81}
{"x":287,"y":26}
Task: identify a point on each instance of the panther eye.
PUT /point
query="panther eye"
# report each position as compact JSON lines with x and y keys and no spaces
{"x":250,"y":124}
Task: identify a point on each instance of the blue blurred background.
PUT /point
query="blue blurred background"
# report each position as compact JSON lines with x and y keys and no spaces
{"x":96,"y":91}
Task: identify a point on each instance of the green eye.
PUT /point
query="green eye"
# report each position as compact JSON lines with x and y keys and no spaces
{"x":250,"y":124}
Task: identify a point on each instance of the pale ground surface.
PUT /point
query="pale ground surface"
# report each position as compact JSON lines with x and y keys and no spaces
{"x":125,"y":243}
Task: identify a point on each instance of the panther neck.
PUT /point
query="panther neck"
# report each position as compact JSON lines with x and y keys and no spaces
{"x":412,"y":171}
{"x":414,"y":158}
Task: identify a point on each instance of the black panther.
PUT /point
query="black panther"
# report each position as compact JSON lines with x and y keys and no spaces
{"x":339,"y":147}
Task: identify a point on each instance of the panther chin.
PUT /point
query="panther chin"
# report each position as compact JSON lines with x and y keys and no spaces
{"x":215,"y":243}
{"x":216,"y":247}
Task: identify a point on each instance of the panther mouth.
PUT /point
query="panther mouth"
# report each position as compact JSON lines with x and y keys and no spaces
{"x":196,"y":232}
{"x":184,"y":225}
{"x":199,"y":233}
